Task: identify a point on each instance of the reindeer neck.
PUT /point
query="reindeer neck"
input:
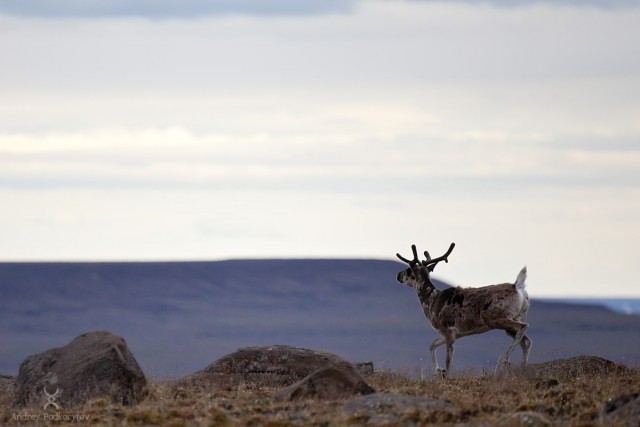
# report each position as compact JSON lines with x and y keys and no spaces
{"x":427,"y":294}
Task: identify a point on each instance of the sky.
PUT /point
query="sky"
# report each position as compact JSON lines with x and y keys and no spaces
{"x":208,"y":130}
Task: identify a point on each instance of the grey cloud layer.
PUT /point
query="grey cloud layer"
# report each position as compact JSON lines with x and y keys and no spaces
{"x":600,"y":4}
{"x":187,"y":9}
{"x":162,"y":9}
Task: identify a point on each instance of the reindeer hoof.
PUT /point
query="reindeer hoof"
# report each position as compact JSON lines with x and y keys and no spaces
{"x":440,"y":373}
{"x":503,"y":365}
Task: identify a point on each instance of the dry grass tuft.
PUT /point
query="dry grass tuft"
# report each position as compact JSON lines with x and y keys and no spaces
{"x":560,"y":393}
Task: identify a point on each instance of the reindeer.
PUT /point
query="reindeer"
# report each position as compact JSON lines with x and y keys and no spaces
{"x":459,"y":312}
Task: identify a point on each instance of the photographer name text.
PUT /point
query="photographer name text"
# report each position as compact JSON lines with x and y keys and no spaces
{"x":46,"y":416}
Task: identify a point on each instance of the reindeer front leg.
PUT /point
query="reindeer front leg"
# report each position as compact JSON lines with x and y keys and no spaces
{"x":450,"y":338}
{"x":437,"y":370}
{"x":449,"y":357}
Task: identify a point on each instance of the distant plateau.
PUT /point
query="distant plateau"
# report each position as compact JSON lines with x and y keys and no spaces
{"x":178,"y":317}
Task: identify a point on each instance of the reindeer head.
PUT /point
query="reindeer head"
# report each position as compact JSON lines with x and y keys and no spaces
{"x":418,"y":271}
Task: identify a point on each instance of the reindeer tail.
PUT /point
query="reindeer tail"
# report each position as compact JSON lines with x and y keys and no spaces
{"x":522,"y":276}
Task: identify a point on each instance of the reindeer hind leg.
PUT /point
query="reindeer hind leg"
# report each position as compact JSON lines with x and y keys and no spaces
{"x":526,"y":344}
{"x":516,"y":330}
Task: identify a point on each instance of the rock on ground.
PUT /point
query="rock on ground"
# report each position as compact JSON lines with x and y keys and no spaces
{"x":623,"y":411}
{"x":386,"y":409}
{"x":523,"y":419}
{"x":93,"y":365}
{"x":274,"y":366}
{"x":7,"y":382}
{"x":365,"y":368}
{"x":335,"y":381}
{"x":576,"y":366}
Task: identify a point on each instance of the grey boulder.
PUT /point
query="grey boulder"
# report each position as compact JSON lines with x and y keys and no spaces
{"x":335,"y":381}
{"x":93,"y":365}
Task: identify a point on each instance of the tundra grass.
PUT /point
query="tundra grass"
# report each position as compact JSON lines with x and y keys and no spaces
{"x":556,"y":397}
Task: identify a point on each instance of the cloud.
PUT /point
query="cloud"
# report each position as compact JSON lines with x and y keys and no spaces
{"x":600,"y":4}
{"x":431,"y":47}
{"x":327,"y":135}
{"x":334,"y":161}
{"x":189,"y":9}
{"x":169,"y":9}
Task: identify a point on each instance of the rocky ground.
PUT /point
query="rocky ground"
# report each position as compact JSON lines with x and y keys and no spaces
{"x":579,"y":391}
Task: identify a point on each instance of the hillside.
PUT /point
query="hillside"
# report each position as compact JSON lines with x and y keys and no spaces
{"x":178,"y":317}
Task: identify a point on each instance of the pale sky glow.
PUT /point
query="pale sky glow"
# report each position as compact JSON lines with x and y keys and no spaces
{"x":347,"y":129}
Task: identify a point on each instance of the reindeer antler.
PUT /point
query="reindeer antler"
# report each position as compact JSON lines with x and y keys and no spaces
{"x":432,"y":262}
{"x":415,"y":259}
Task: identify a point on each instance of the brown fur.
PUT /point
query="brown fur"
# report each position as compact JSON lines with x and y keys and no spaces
{"x":460,"y":312}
